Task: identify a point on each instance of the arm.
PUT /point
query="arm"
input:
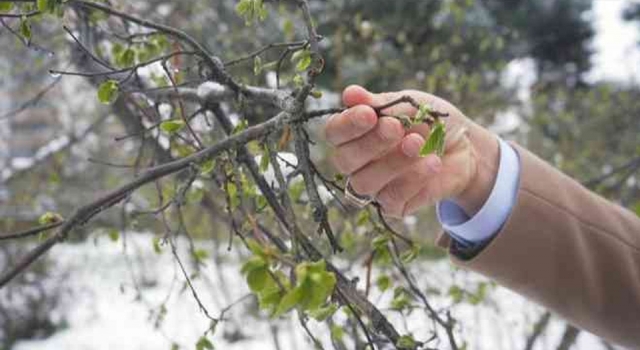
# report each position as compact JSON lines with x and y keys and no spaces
{"x":562,"y":246}
{"x":569,"y":250}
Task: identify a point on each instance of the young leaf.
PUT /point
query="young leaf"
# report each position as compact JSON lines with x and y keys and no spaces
{"x":156,"y":245}
{"x":200,"y":255}
{"x":380,"y":241}
{"x":254,"y":263}
{"x":204,"y":344}
{"x":114,"y":235}
{"x":383,"y":282}
{"x":302,"y":59}
{"x":25,"y":28}
{"x":49,"y":218}
{"x":208,"y":167}
{"x":289,"y":301}
{"x":172,"y":126}
{"x":108,"y":91}
{"x":6,"y":6}
{"x":257,"y":65}
{"x":406,"y":342}
{"x":257,"y":278}
{"x":435,"y":142}
{"x":323,"y":313}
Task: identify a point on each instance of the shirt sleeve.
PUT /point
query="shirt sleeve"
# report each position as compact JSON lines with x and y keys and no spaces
{"x":469,"y":232}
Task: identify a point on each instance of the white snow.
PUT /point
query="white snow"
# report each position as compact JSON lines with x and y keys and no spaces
{"x":104,"y":313}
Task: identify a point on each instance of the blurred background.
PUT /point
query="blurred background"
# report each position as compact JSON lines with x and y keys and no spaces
{"x":558,"y":76}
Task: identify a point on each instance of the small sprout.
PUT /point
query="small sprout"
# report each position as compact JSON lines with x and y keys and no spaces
{"x":406,"y":342}
{"x":204,"y":344}
{"x":50,"y":218}
{"x":257,"y":65}
{"x":208,"y":167}
{"x":435,"y":142}
{"x":383,"y":282}
{"x":172,"y":126}
{"x":25,"y":28}
{"x":114,"y":235}
{"x":108,"y":91}
{"x":302,"y":59}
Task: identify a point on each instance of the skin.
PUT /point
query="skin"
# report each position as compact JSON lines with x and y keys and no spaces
{"x":382,"y":158}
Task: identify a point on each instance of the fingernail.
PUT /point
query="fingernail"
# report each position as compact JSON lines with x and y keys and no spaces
{"x":434,"y":163}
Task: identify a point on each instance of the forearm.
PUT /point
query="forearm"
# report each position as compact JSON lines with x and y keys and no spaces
{"x":570,"y":250}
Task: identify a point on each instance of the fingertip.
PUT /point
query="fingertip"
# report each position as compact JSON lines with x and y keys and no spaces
{"x":355,"y":95}
{"x":365,"y":117}
{"x":434,"y":163}
{"x":412,"y":144}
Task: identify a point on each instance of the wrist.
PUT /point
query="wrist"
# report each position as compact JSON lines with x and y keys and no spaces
{"x":486,"y":154}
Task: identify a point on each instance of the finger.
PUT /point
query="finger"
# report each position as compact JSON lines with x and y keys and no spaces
{"x":372,"y":178}
{"x":353,"y":155}
{"x":394,"y":196}
{"x":357,"y":95}
{"x":424,"y":198}
{"x":350,"y":124}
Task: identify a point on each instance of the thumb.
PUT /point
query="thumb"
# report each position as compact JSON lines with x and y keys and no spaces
{"x":357,"y":95}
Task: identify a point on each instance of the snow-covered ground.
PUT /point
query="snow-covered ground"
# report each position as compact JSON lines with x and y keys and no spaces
{"x":104,"y":311}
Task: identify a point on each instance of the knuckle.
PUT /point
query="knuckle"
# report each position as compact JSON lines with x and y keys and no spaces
{"x":392,"y":195}
{"x":388,"y":131}
{"x":362,"y":185}
{"x":339,"y":162}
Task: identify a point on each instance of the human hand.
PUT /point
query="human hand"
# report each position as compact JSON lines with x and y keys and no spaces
{"x":382,"y":158}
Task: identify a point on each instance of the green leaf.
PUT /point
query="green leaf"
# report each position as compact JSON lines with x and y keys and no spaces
{"x":25,"y":28}
{"x":410,"y":255}
{"x":424,"y":111}
{"x":6,"y":6}
{"x":200,"y":255}
{"x":108,"y":91}
{"x":637,"y":208}
{"x":257,"y":278}
{"x":242,"y":125}
{"x":456,"y":293}
{"x":289,"y":301}
{"x":208,"y":167}
{"x":317,"y":94}
{"x":42,"y":5}
{"x":156,"y":245}
{"x":323,"y":313}
{"x":406,"y":342}
{"x":435,"y":142}
{"x":255,"y":247}
{"x":49,"y":218}
{"x":204,"y":344}
{"x":251,"y":10}
{"x":257,"y":65}
{"x":288,"y":29}
{"x":172,"y":126}
{"x":383,"y":282}
{"x":380,"y":241}
{"x":298,"y":80}
{"x":126,"y":58}
{"x":363,"y":218}
{"x":400,"y":299}
{"x":337,"y":332}
{"x":264,"y":161}
{"x":302,"y":59}
{"x":114,"y":235}
{"x":255,"y":262}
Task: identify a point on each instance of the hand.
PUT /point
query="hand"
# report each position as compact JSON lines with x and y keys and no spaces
{"x":382,"y":158}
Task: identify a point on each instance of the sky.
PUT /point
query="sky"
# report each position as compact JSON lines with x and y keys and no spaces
{"x":616,"y":43}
